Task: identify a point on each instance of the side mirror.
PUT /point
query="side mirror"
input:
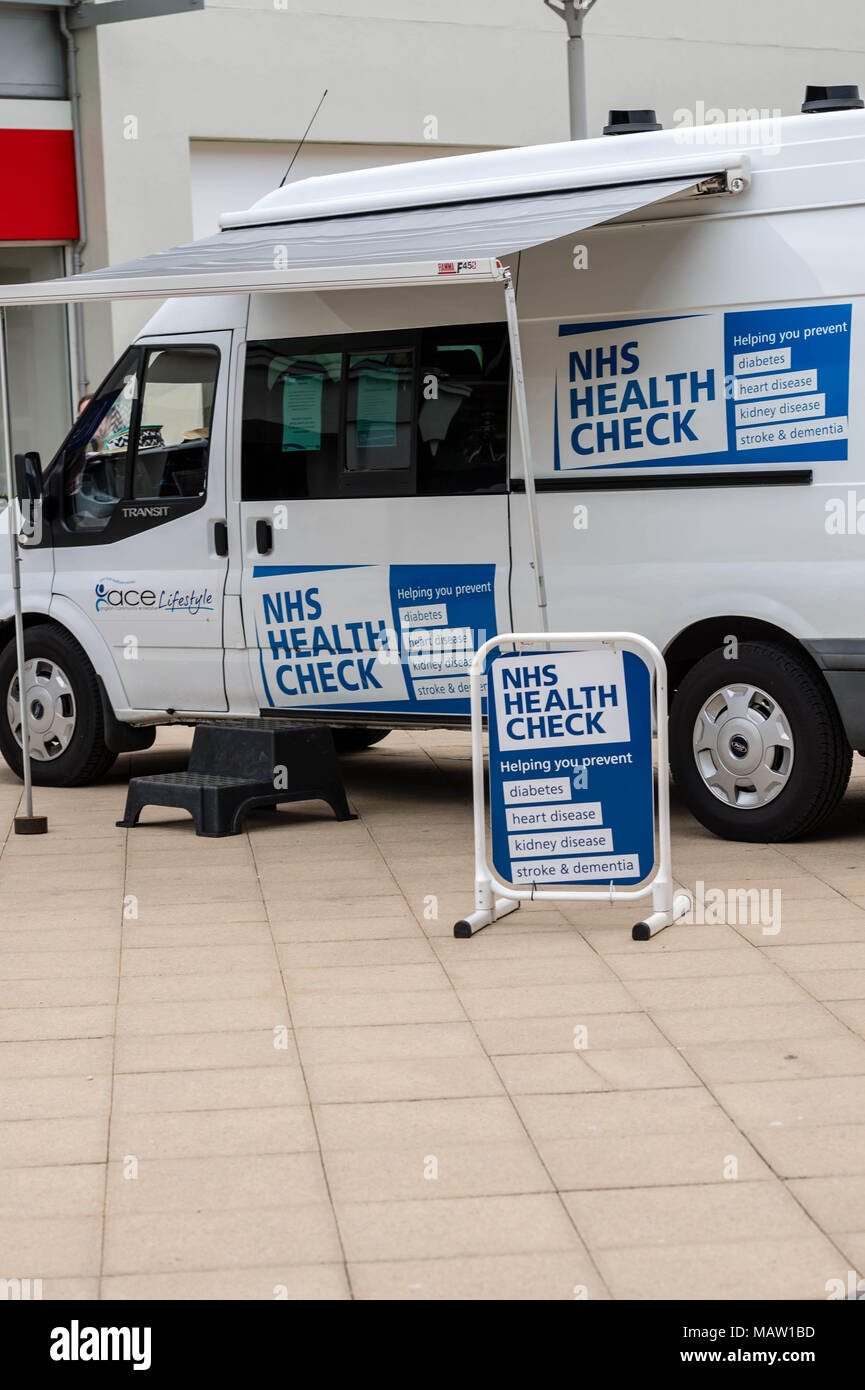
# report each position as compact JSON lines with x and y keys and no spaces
{"x":29,"y":491}
{"x":28,"y":477}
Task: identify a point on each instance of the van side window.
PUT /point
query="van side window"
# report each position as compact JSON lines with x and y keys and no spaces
{"x":291,"y":424}
{"x":377,"y":415}
{"x":463,"y":419}
{"x":379,"y":411}
{"x":174,"y":429}
{"x":96,"y":453}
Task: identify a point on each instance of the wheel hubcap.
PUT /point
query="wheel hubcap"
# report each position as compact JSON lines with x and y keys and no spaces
{"x":743,"y":746}
{"x":50,"y":707}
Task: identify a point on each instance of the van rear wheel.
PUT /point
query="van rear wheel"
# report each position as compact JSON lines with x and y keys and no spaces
{"x":757,"y":749}
{"x":67,"y":735}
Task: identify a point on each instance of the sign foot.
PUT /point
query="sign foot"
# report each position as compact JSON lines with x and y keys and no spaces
{"x":656,"y":921}
{"x":467,"y":926}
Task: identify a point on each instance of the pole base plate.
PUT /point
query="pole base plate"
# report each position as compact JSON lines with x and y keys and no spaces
{"x":31,"y":825}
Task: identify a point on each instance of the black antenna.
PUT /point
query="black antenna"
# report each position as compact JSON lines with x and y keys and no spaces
{"x":302,"y":138}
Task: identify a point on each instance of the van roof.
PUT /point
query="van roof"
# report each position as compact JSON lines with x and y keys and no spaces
{"x":567,"y":165}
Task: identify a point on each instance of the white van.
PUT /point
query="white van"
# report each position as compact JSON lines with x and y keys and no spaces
{"x":314,"y":504}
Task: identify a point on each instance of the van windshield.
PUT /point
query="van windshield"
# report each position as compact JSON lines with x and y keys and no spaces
{"x":95,"y":457}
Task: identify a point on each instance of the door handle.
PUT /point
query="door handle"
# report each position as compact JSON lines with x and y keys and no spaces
{"x":220,"y":537}
{"x":263,"y":537}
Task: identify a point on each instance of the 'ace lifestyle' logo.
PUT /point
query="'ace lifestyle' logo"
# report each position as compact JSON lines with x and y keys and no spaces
{"x":122,"y":594}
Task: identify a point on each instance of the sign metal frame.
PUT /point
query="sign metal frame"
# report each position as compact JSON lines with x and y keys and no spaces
{"x":494,"y":899}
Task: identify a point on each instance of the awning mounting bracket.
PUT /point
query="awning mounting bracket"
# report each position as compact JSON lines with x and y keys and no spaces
{"x":735,"y":179}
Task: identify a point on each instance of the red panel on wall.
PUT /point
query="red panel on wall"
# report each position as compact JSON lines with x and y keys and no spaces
{"x":37,"y":186}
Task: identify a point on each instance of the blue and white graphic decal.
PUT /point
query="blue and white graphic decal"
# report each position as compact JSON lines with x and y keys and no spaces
{"x":762,"y":386}
{"x":380,"y":637}
{"x":570,"y":768}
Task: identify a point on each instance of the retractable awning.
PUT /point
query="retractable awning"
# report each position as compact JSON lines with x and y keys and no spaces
{"x":458,"y":241}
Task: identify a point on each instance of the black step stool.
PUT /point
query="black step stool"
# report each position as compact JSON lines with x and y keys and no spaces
{"x":239,"y":765}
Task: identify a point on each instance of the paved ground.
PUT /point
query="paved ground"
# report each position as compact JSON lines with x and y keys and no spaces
{"x":262,"y":1067}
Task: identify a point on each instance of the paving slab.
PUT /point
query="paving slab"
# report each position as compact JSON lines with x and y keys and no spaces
{"x":263,"y":1068}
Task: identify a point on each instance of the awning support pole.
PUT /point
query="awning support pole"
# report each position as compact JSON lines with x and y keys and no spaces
{"x":28,"y":824}
{"x":525,"y":440}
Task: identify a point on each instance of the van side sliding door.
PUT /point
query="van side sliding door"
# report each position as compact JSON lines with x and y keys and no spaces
{"x":374,"y":518}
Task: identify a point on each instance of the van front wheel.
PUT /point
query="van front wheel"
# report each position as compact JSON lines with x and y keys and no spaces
{"x":67,"y":735}
{"x":757,"y":749}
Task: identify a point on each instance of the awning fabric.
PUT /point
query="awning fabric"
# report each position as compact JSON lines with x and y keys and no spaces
{"x":373,"y":248}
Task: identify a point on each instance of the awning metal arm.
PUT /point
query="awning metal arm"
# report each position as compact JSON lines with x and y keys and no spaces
{"x":28,"y":822}
{"x":525,"y":440}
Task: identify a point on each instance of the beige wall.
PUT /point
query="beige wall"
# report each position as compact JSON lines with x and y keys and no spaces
{"x":229,"y":175}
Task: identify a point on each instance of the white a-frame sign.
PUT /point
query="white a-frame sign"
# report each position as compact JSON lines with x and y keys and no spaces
{"x":574,"y":812}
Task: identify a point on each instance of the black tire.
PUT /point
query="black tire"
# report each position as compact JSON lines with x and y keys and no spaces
{"x":356,"y":739}
{"x":86,"y":757}
{"x":821,"y":756}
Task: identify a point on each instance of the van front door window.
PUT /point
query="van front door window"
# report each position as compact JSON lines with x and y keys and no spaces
{"x":139,"y":444}
{"x":174,"y":433}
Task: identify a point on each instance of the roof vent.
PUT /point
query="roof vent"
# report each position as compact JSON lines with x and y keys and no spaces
{"x":832,"y":99}
{"x":631,"y":122}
